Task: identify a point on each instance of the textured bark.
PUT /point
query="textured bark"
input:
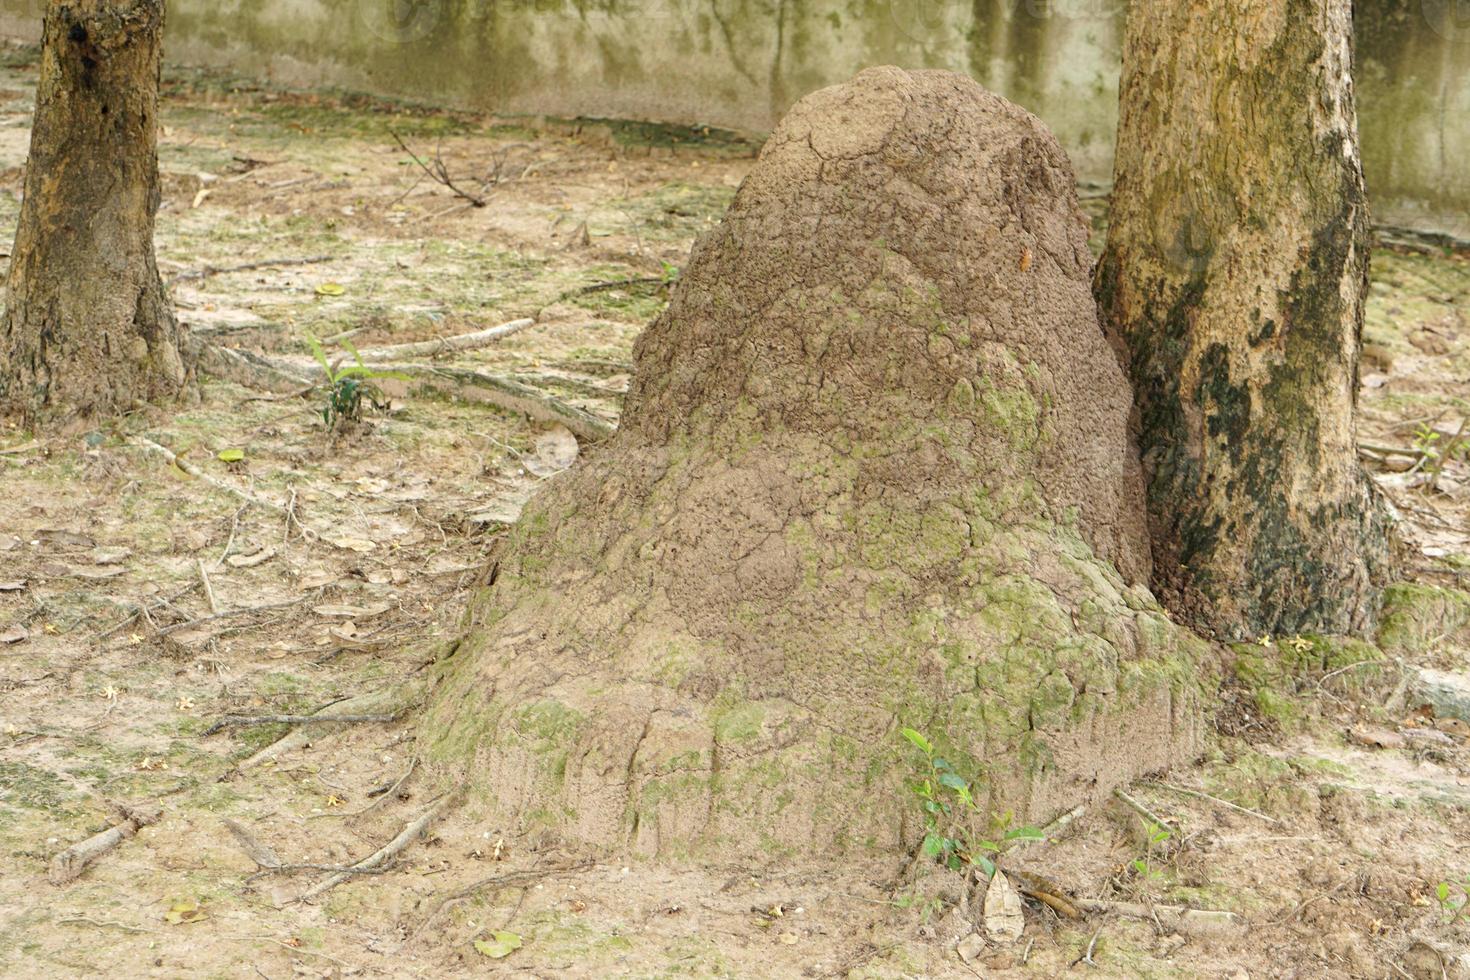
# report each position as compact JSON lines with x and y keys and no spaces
{"x":1234,"y":274}
{"x":88,"y":329}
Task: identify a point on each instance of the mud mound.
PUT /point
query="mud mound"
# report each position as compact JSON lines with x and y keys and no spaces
{"x":874,"y":472}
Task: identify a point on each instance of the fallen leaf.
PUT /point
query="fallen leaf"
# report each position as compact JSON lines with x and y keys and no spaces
{"x":316,"y":578}
{"x":1375,"y":738}
{"x":254,"y":558}
{"x":110,"y":556}
{"x":499,"y":945}
{"x":14,"y":585}
{"x":970,"y":948}
{"x":556,"y":449}
{"x":182,"y":913}
{"x":331,"y":289}
{"x":1004,"y":919}
{"x":379,"y":576}
{"x":352,"y":612}
{"x":371,"y":485}
{"x":360,"y":545}
{"x":13,"y":634}
{"x":231,"y":455}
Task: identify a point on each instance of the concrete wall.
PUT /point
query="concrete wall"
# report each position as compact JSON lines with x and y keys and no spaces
{"x":739,"y":63}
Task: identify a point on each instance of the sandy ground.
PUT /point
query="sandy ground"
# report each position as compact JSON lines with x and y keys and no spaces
{"x":1330,"y":845}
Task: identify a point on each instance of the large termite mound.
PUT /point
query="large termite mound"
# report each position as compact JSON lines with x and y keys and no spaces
{"x":874,"y":472}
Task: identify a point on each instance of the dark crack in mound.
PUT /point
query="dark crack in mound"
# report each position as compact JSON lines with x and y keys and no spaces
{"x":874,"y":472}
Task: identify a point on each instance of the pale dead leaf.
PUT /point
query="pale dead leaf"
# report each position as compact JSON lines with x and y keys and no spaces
{"x":556,"y":449}
{"x":379,"y":576}
{"x":110,"y":556}
{"x":13,"y":634}
{"x":13,"y":585}
{"x":1004,"y":918}
{"x":351,"y":612}
{"x":315,"y":578}
{"x":359,"y":545}
{"x":372,"y":486}
{"x":64,"y":539}
{"x":98,"y":574}
{"x":251,"y":560}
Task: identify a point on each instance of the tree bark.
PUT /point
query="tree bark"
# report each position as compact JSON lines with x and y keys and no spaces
{"x":1234,"y":276}
{"x":88,"y":329}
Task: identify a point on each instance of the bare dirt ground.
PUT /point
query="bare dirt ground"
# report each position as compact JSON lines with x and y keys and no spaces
{"x":1323,"y":825}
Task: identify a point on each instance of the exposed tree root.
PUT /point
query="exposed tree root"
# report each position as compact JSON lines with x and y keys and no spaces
{"x":387,"y":852}
{"x":447,"y":345}
{"x":71,"y":862}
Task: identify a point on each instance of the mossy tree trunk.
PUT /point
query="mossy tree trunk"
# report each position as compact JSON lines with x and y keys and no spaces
{"x":87,"y":328}
{"x":1235,"y":272}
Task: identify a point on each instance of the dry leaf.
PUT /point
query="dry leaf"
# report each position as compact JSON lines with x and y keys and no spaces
{"x":110,"y":556}
{"x":1004,"y":919}
{"x":556,"y":449}
{"x":13,"y":634}
{"x":14,"y":585}
{"x":183,"y":913}
{"x":251,"y":560}
{"x":360,"y":545}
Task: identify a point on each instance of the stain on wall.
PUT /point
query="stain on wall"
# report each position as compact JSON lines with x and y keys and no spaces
{"x":739,"y":64}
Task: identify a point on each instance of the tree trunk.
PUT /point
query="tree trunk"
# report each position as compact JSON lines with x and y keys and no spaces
{"x":88,"y":329}
{"x":1235,"y":272}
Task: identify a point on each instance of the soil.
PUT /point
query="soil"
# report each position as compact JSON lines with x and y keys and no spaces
{"x":104,"y":702}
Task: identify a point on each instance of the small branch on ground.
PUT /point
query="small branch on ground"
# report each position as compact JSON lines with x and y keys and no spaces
{"x":242,"y":721}
{"x":71,"y":862}
{"x":439,"y":173}
{"x":392,"y":700}
{"x":1177,"y":917}
{"x":1196,"y":794}
{"x":507,"y":879}
{"x":1142,"y":810}
{"x":447,"y":345}
{"x":231,"y":614}
{"x":412,"y":832}
{"x":208,"y":589}
{"x":210,"y":270}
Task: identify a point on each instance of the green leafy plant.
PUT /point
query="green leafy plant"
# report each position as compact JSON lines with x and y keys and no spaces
{"x":1454,"y":899}
{"x":1156,"y":836}
{"x":347,"y":388}
{"x":1425,"y":439}
{"x":950,"y":813}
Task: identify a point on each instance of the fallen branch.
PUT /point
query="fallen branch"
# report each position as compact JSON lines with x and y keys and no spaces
{"x":71,"y":862}
{"x":241,"y":721}
{"x":263,"y":856}
{"x":208,"y":589}
{"x":475,"y":386}
{"x":391,"y":700}
{"x":422,"y":380}
{"x":506,"y":880}
{"x":211,"y":270}
{"x":230,"y":614}
{"x":447,"y":345}
{"x":439,"y":173}
{"x":1196,"y":794}
{"x":1176,"y":917}
{"x":1141,"y":810}
{"x":198,"y":474}
{"x":378,"y":858}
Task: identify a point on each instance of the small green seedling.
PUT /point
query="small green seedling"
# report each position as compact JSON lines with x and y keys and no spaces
{"x":348,"y":387}
{"x":950,"y":811}
{"x":1143,"y":865}
{"x":1454,"y":899}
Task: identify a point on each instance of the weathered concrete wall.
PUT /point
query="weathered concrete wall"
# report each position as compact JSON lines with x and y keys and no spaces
{"x":741,"y":63}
